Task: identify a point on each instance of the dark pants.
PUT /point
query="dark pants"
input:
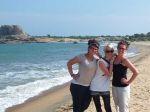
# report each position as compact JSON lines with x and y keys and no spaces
{"x":80,"y":96}
{"x":106,"y":99}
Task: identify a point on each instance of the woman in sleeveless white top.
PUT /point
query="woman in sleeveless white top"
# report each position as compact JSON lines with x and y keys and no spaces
{"x":100,"y":83}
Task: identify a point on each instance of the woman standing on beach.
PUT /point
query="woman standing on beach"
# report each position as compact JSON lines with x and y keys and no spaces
{"x":121,"y":85}
{"x":100,"y":85}
{"x":81,"y":81}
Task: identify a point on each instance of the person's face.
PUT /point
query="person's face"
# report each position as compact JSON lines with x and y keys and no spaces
{"x":122,"y":49}
{"x":109,"y":52}
{"x":93,"y":50}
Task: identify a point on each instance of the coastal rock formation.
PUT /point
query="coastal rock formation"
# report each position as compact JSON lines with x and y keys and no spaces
{"x":10,"y":30}
{"x":12,"y":33}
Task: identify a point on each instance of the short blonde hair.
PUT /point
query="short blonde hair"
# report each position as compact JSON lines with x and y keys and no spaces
{"x":108,"y":46}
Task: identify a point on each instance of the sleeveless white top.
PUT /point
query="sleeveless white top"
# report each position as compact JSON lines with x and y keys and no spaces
{"x":100,"y":82}
{"x":86,"y":71}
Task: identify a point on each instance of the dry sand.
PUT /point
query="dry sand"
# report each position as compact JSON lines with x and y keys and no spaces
{"x":59,"y":99}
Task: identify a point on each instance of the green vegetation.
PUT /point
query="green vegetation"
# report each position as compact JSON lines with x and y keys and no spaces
{"x":135,"y":37}
{"x":140,"y":37}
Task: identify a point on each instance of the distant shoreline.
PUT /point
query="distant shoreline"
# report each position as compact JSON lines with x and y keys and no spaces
{"x":42,"y":40}
{"x":15,"y":34}
{"x":13,"y":39}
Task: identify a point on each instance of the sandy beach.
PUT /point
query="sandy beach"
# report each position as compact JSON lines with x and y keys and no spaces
{"x":59,"y":99}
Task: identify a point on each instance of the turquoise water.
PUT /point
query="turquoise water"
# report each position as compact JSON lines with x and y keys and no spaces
{"x":28,"y":69}
{"x":17,"y":59}
{"x":37,"y":52}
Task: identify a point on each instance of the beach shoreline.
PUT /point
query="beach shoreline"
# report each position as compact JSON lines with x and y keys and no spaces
{"x":58,"y":94}
{"x":58,"y":99}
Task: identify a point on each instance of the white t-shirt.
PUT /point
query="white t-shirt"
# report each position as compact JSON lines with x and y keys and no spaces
{"x":100,"y":82}
{"x":87,"y":70}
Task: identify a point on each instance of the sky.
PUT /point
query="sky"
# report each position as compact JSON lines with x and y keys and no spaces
{"x":77,"y":17}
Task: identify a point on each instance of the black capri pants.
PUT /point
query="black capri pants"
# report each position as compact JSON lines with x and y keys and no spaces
{"x":80,"y":96}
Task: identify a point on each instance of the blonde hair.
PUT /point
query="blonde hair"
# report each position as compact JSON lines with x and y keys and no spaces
{"x":108,"y":46}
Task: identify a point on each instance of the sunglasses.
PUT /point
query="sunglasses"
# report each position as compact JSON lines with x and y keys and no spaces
{"x":109,"y":51}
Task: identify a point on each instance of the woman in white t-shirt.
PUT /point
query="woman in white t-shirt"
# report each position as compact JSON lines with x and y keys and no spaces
{"x":100,"y":84}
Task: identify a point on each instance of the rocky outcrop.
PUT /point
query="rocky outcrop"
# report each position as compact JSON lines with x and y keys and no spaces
{"x":10,"y":30}
{"x":9,"y":33}
{"x":15,"y":34}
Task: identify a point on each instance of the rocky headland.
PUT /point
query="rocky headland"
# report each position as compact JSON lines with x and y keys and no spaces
{"x":15,"y":34}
